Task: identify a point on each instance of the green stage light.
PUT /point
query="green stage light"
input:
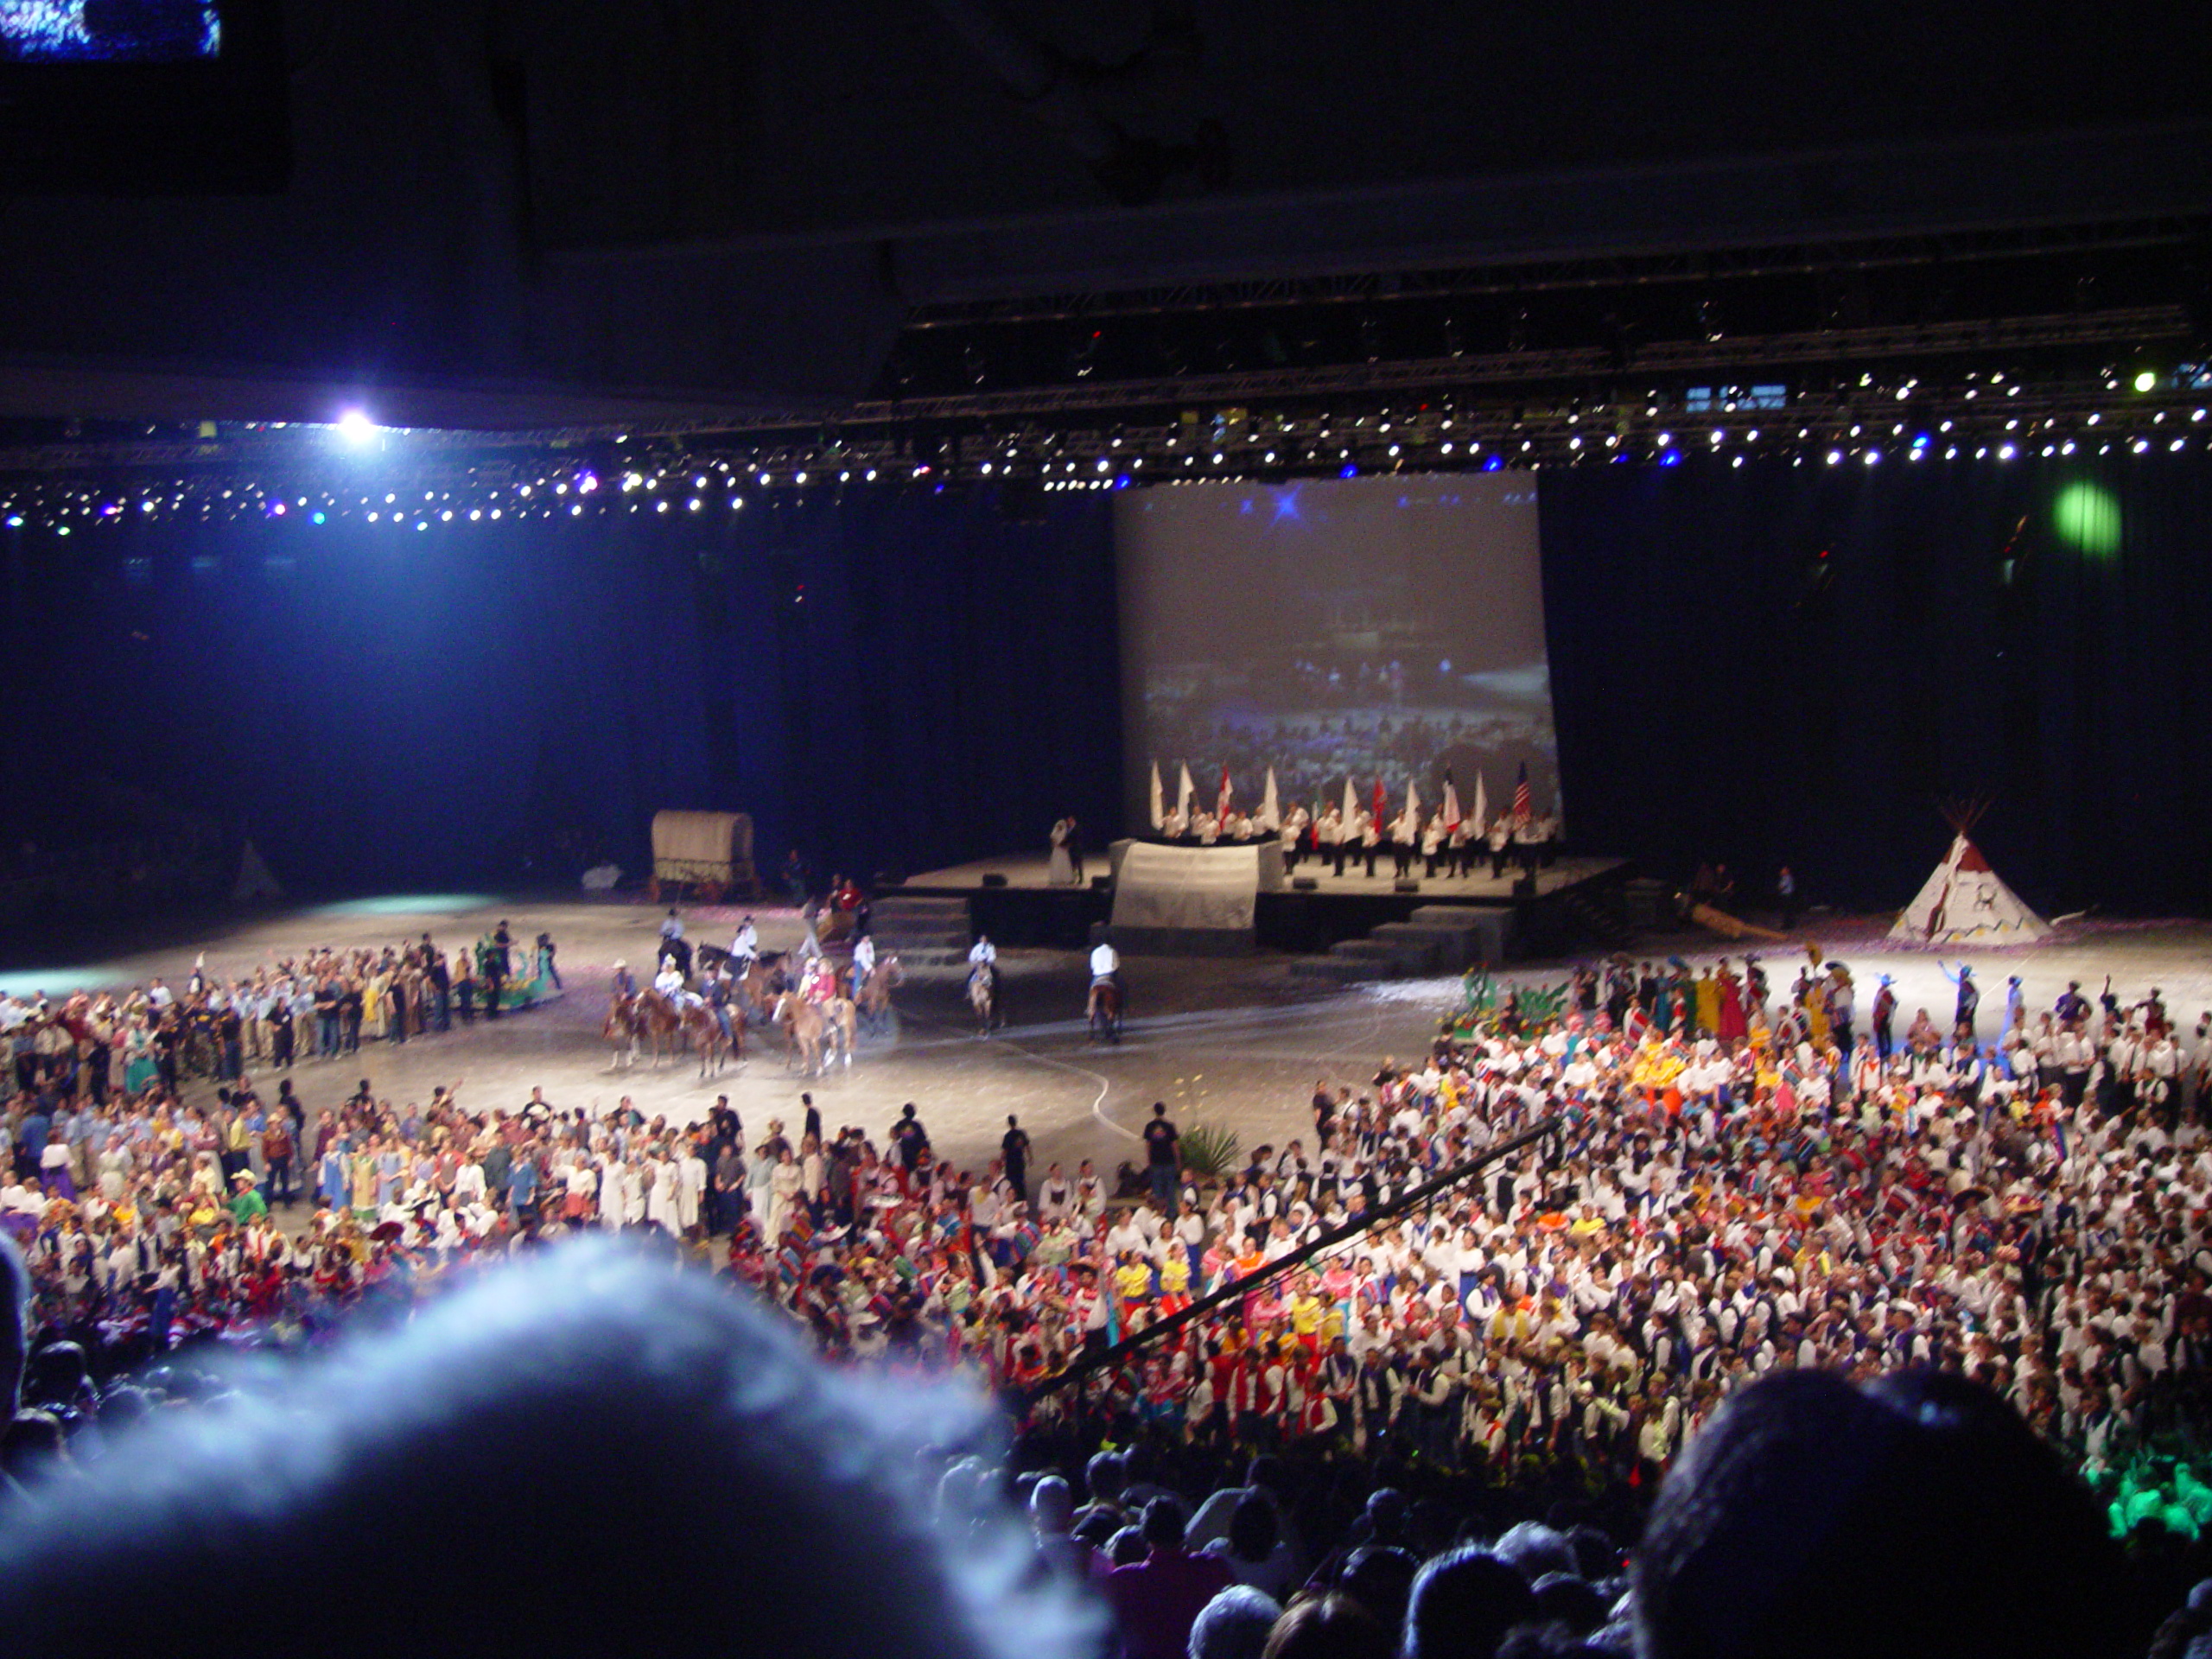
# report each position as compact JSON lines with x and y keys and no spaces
{"x":2089,"y":518}
{"x":2146,"y":379}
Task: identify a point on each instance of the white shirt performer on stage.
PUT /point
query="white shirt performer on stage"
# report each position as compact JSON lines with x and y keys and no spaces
{"x":745,"y":948}
{"x":863,"y":960}
{"x":1105,"y":961}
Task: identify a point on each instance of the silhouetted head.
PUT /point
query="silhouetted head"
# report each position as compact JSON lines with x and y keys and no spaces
{"x":1463,"y":1604}
{"x":1919,"y":1515}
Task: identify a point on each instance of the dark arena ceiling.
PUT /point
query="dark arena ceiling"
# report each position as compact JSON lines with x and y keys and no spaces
{"x":960,"y":238}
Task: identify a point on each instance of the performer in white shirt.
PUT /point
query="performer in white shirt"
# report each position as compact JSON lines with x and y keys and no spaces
{"x":745,"y":948}
{"x":1370,"y":837}
{"x":1292,"y":834}
{"x":1405,"y":835}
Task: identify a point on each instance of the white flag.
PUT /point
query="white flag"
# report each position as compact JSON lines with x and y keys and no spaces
{"x":1482,"y":805}
{"x":1186,"y":794}
{"x":1270,"y":812}
{"x":1451,"y":803}
{"x":1351,"y":804}
{"x":1412,"y":802}
{"x":1159,"y":808}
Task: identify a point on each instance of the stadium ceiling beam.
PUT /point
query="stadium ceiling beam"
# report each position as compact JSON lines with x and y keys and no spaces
{"x":1944,"y":248}
{"x":1742,"y":355}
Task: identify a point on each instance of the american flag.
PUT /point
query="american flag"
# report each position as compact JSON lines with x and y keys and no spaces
{"x":1524,"y":805}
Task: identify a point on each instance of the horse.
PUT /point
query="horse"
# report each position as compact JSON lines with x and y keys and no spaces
{"x":1105,"y":1012}
{"x":699,"y":1027}
{"x":874,"y":997}
{"x":659,"y":1023}
{"x":980,"y":997}
{"x":841,"y":1019}
{"x":621,"y":1030}
{"x":760,"y":983}
{"x":805,"y":1031}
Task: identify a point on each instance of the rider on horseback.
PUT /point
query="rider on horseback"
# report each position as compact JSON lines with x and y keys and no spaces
{"x":1106,"y":966}
{"x":1103,"y":1010}
{"x":720,"y":991}
{"x":983,"y":960}
{"x":745,"y":948}
{"x":673,"y":944}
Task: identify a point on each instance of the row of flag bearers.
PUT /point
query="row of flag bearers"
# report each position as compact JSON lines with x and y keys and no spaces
{"x":1446,"y":838}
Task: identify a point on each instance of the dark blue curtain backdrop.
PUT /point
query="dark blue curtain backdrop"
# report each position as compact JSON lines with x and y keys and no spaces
{"x":899,"y":678}
{"x":1763,"y":664}
{"x":1795,"y":664}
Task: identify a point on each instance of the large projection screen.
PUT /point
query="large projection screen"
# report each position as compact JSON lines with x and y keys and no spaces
{"x":1375,"y":629}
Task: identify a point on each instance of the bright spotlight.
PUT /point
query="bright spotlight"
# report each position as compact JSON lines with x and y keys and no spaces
{"x":356,"y":428}
{"x":2146,"y":379}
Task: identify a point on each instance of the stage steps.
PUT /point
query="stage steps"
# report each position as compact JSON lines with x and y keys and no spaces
{"x":922,"y":932}
{"x":1607,"y":924}
{"x":1435,"y":939}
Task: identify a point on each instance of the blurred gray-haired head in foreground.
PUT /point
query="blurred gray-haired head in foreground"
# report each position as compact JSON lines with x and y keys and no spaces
{"x":584,"y":1452}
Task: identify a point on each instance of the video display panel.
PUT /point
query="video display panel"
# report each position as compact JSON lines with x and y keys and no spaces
{"x":109,"y":31}
{"x":1374,"y":630}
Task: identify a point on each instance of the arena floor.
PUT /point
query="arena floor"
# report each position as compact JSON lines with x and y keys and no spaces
{"x":1235,"y":1043}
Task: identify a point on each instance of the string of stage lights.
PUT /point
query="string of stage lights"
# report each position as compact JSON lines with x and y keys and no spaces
{"x":355,"y":472}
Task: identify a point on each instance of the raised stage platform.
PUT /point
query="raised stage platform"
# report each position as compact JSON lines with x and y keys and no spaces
{"x":1008,"y":897}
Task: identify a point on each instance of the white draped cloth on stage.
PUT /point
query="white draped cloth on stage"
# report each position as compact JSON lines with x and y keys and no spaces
{"x":1964,"y":902}
{"x":1188,"y":888}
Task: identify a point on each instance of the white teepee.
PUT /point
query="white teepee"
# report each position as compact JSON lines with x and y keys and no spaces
{"x":1965,"y":902}
{"x":254,"y":881}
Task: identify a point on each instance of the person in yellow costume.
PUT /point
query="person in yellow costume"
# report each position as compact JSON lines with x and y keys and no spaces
{"x":1816,"y":1015}
{"x":1708,"y":1003}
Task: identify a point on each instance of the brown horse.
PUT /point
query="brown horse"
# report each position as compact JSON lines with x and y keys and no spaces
{"x":762,"y":981}
{"x":621,"y":1030}
{"x":981,"y":998}
{"x":841,"y":1017}
{"x":704,"y":1031}
{"x":1105,"y":1011}
{"x":806,"y":1033}
{"x":874,"y":998}
{"x":659,"y":1024}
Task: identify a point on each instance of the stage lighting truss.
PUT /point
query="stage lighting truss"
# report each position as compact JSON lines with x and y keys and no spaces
{"x":2002,"y":393}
